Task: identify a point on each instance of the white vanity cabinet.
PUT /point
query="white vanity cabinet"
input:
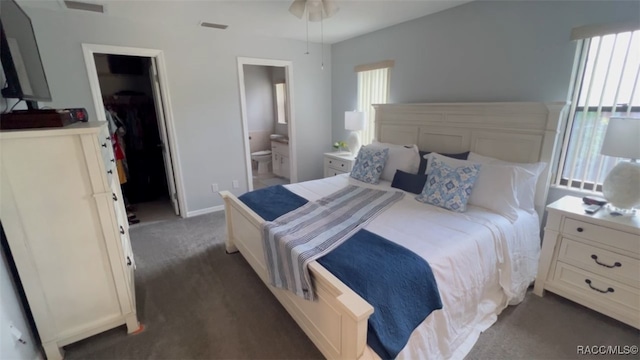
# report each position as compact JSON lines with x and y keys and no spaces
{"x":66,"y":225}
{"x":280,"y":159}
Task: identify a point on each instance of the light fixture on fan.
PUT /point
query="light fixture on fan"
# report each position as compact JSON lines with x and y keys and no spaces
{"x":621,"y":187}
{"x":317,"y":10}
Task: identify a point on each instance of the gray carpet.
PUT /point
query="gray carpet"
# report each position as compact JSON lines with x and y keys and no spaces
{"x":197,"y":302}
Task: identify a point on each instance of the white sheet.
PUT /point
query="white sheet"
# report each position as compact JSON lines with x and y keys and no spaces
{"x":480,"y":260}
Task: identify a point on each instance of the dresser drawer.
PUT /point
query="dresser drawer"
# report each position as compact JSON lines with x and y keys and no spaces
{"x":328,"y":172}
{"x":619,"y":239}
{"x":602,"y":262}
{"x":336,"y":164}
{"x":600,"y":289}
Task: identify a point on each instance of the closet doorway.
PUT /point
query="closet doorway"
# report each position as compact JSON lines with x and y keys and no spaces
{"x":127,"y":87}
{"x":266,"y":98}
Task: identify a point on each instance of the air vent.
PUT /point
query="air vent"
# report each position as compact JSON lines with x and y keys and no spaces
{"x":212,"y":25}
{"x":77,"y":5}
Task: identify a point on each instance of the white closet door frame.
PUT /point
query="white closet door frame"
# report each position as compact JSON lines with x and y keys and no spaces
{"x":89,"y":50}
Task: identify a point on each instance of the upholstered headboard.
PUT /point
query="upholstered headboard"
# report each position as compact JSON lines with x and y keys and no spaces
{"x":517,"y":132}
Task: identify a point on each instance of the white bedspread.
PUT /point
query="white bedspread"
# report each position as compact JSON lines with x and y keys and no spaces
{"x":480,"y":260}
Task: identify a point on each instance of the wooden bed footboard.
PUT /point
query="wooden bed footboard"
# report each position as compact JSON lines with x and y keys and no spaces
{"x":336,"y":322}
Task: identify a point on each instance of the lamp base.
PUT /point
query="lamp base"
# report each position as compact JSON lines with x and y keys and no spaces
{"x":622,"y":186}
{"x":353,"y":142}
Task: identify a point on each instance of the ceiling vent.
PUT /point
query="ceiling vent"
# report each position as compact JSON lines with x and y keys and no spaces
{"x":77,"y":5}
{"x":214,"y":26}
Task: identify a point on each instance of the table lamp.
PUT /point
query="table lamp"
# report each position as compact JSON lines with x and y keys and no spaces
{"x":621,"y":187}
{"x":354,"y":121}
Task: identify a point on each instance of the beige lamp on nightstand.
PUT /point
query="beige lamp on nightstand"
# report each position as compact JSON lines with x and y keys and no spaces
{"x":354,"y":121}
{"x":622,"y":186}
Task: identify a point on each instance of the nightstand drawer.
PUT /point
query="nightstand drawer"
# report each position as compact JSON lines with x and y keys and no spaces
{"x":619,"y":239}
{"x":331,"y":172}
{"x":602,"y":262}
{"x":597,"y":288}
{"x":341,"y":165}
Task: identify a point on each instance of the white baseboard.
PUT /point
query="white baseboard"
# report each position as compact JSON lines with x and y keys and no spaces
{"x":205,"y":211}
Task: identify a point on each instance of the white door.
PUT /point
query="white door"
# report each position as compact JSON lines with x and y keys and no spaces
{"x":162,"y":127}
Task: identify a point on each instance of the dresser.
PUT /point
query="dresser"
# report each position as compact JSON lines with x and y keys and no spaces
{"x":66,"y":225}
{"x":593,"y":260}
{"x":336,"y":163}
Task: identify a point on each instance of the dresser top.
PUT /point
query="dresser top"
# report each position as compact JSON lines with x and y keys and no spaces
{"x":344,"y":155}
{"x":73,"y":129}
{"x":574,"y":207}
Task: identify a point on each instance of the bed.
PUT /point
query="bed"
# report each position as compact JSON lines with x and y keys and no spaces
{"x":493,"y":260}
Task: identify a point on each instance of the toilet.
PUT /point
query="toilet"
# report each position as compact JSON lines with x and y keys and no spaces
{"x":263,"y":158}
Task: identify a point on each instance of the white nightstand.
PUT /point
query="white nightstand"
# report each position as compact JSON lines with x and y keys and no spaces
{"x":593,"y":260}
{"x":336,"y":163}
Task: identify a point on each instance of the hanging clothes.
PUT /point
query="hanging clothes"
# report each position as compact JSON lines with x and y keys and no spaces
{"x":117,"y":132}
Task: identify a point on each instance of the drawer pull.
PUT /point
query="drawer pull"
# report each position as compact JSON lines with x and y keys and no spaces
{"x":128,"y":261}
{"x":115,"y":198}
{"x":121,"y":230}
{"x":342,"y":165}
{"x":108,"y":138}
{"x":113,"y":160}
{"x":330,"y":162}
{"x":580,"y":229}
{"x":596,"y":289}
{"x":104,"y":145}
{"x":595,"y":258}
{"x":110,"y":171}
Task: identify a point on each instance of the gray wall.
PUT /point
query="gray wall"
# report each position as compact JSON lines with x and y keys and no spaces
{"x":480,"y":51}
{"x":202,"y":75}
{"x":258,"y":89}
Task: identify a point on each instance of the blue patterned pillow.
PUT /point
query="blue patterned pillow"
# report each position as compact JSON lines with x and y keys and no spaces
{"x":449,"y":187}
{"x":369,"y":164}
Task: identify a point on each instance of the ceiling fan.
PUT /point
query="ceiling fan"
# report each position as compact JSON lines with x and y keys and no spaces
{"x":317,"y":10}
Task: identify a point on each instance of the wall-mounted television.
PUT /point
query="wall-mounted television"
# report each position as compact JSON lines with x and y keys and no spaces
{"x":21,"y":63}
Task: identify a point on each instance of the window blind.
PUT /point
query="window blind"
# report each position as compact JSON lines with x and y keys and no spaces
{"x":373,"y":88}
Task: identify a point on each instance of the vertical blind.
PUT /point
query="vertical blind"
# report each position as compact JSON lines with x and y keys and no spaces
{"x":373,"y":88}
{"x":606,"y":85}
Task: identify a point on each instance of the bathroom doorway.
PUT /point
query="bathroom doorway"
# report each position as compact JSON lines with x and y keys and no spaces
{"x":267,"y":119}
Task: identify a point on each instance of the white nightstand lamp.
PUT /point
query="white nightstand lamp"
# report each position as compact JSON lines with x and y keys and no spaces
{"x":622,"y":186}
{"x":354,"y":121}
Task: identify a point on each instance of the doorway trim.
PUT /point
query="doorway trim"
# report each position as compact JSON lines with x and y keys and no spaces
{"x":94,"y":82}
{"x":288,"y":65}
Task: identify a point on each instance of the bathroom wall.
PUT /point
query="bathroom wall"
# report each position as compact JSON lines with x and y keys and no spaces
{"x":260,"y":100}
{"x":278,"y":77}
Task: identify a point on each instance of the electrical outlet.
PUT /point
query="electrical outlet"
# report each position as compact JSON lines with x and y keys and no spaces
{"x":235,"y":184}
{"x":214,"y":187}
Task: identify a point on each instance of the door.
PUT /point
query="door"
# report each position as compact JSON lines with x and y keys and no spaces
{"x":164,"y":139}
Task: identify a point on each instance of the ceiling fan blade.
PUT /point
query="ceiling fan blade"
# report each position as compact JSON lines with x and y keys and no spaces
{"x":297,"y":8}
{"x":330,"y":8}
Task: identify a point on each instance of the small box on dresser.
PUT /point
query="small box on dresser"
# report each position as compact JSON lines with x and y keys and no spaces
{"x":336,"y":163}
{"x":593,"y":260}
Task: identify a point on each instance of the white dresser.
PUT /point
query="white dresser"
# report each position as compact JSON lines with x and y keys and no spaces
{"x":593,"y":260}
{"x":336,"y":163}
{"x":64,"y":217}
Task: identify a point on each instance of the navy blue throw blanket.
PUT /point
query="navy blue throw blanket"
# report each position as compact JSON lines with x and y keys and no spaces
{"x":398,"y":283}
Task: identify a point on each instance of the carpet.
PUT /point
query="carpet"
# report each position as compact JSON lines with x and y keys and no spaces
{"x":197,"y":302}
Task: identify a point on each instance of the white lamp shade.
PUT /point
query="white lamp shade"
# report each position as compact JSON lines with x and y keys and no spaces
{"x":622,"y":138}
{"x":353,"y":120}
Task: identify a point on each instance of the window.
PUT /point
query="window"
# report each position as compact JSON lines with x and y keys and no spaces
{"x":606,"y":85}
{"x":281,"y":102}
{"x":373,"y":88}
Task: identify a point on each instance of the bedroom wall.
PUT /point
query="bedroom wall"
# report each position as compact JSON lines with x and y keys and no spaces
{"x":480,"y":51}
{"x":202,"y":76}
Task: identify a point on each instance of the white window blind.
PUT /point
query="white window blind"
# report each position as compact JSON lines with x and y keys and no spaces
{"x":373,"y":88}
{"x":606,"y":85}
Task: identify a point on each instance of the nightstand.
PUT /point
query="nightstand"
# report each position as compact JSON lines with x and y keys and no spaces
{"x":336,"y":163}
{"x":593,"y":260}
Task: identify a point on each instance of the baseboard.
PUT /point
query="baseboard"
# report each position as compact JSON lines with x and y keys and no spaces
{"x":205,"y":211}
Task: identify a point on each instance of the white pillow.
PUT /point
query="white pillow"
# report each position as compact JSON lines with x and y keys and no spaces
{"x":526,"y":183}
{"x":495,"y":188}
{"x":401,"y":157}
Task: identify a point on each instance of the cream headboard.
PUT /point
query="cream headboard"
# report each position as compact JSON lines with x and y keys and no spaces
{"x":517,"y":132}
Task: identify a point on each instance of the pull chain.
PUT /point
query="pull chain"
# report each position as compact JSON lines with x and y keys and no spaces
{"x":307,"y":53}
{"x":321,"y":41}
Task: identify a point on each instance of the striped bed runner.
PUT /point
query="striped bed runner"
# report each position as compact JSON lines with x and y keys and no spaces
{"x":303,"y":235}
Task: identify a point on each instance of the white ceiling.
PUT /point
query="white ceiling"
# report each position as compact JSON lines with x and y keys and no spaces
{"x":267,"y":17}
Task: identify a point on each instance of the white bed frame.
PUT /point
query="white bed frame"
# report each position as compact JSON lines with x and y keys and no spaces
{"x":518,"y":132}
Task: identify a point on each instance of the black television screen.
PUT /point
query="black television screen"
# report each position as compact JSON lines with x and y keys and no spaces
{"x":25,"y":77}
